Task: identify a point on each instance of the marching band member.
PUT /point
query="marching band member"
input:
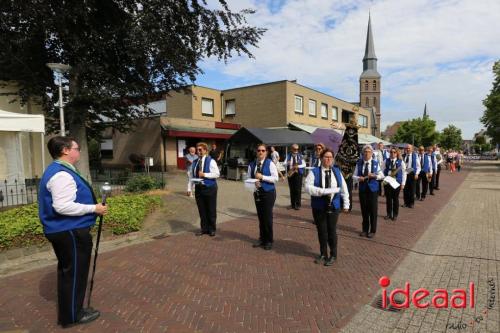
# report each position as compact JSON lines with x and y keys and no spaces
{"x":367,"y":173}
{"x":266,"y":173}
{"x":316,"y":159}
{"x":381,"y":155}
{"x":432,"y":184}
{"x":440,"y":161}
{"x":425,"y":174}
{"x":394,"y":167}
{"x":205,"y":167}
{"x":412,"y":164}
{"x":295,"y":165}
{"x":326,"y":186}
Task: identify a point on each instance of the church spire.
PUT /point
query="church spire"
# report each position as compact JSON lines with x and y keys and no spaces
{"x":425,"y":110}
{"x":370,"y":59}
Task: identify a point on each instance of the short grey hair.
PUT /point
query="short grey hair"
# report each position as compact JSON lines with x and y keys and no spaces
{"x":366,"y":147}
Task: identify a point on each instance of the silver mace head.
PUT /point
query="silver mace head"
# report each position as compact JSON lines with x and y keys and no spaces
{"x":105,"y":190}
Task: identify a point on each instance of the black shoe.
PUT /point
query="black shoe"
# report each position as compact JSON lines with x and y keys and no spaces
{"x":421,"y":199}
{"x":432,"y":193}
{"x":290,"y":207}
{"x":410,"y":206}
{"x":296,"y":208}
{"x":371,"y":235}
{"x":87,"y":315}
{"x":404,"y":206}
{"x":212,"y":234}
{"x":363,"y":234}
{"x":330,"y":261}
{"x":200,"y":233}
{"x":394,"y":218}
{"x":436,"y":188}
{"x":387,"y":217}
{"x":268,"y":246}
{"x":258,"y":244}
{"x":320,"y":260}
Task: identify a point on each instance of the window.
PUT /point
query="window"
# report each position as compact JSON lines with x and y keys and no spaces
{"x":366,"y":85}
{"x":374,"y":85}
{"x":367,"y":101}
{"x":207,"y":107}
{"x":335,"y":113}
{"x":346,"y":116}
{"x":374,"y":101}
{"x":107,"y":148}
{"x":312,"y":108}
{"x":324,"y":111}
{"x":362,"y":120}
{"x":298,"y":104}
{"x":230,"y":107}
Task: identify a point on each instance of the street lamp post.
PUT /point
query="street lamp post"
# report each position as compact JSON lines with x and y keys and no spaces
{"x":60,"y":69}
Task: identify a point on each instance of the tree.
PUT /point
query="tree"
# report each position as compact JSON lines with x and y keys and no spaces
{"x":418,"y":131}
{"x":451,"y":138}
{"x":491,"y":116}
{"x":122,"y":53}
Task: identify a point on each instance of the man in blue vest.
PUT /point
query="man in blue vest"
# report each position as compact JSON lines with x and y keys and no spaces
{"x":266,"y":173}
{"x":68,"y":209}
{"x":295,"y":166}
{"x":368,"y":173}
{"x":412,"y":164}
{"x":326,"y":186}
{"x":206,"y":168}
{"x":434,"y":166}
{"x":425,"y":175}
{"x":394,"y":167}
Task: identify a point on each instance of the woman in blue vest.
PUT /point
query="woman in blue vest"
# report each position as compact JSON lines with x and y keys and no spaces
{"x":266,"y":173}
{"x":326,"y":186}
{"x":206,"y":192}
{"x":316,"y":158}
{"x":394,"y":167}
{"x":368,"y":173}
{"x":68,"y":209}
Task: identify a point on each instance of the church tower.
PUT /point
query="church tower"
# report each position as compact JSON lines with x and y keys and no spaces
{"x":370,"y":81}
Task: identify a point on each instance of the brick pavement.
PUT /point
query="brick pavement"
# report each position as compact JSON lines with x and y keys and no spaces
{"x":188,"y":284}
{"x":460,"y":246}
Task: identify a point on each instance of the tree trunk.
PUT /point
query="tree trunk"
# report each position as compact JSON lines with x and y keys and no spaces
{"x":80,"y":134}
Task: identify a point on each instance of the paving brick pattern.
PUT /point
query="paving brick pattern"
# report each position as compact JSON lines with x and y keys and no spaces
{"x":188,"y":284}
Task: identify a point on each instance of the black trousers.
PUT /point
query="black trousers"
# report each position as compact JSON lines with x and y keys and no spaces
{"x":349,"y":183}
{"x":392,"y":200}
{"x":422,"y":185}
{"x":264,"y":203}
{"x":409,"y":190}
{"x":369,"y":209}
{"x":380,"y":187}
{"x":73,"y":250}
{"x":295,"y":185}
{"x":206,"y":200}
{"x":326,"y":224}
{"x":437,"y":176}
{"x":432,"y":184}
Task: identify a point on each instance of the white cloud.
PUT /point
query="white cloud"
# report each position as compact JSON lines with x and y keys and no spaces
{"x":435,"y":51}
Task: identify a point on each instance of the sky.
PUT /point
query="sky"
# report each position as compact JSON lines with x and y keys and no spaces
{"x":435,"y":52}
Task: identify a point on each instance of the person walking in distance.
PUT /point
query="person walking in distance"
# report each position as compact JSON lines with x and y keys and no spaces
{"x":412,"y":164}
{"x":295,"y":166}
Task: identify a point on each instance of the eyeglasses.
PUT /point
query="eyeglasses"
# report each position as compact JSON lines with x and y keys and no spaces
{"x":199,"y":149}
{"x":76,"y":148}
{"x":261,"y":150}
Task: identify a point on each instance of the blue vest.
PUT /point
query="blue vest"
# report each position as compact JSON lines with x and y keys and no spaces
{"x":314,"y":161}
{"x":51,"y":220}
{"x":320,"y":202}
{"x":266,"y":171}
{"x":299,"y":162}
{"x":399,"y":175}
{"x":373,"y":184}
{"x":414,"y":162}
{"x":426,"y":167}
{"x":209,"y":182}
{"x":433,"y":158}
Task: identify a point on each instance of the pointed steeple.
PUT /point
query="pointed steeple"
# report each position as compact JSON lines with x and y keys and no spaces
{"x":425,"y":110}
{"x":370,"y":59}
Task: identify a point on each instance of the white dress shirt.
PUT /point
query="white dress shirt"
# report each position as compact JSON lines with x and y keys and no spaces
{"x":273,"y":178}
{"x":336,"y":188}
{"x":288,"y":162}
{"x":378,"y":170}
{"x":62,"y":186}
{"x":422,"y":164}
{"x":409,"y":162}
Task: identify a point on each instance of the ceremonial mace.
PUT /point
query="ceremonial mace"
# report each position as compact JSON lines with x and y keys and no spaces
{"x":105,"y":192}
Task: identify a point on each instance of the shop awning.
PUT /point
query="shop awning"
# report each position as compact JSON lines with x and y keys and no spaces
{"x":271,"y":136}
{"x":198,"y":132}
{"x":21,"y":122}
{"x":365,"y":139}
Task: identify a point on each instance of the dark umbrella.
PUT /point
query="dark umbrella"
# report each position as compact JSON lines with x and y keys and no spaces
{"x":329,"y":137}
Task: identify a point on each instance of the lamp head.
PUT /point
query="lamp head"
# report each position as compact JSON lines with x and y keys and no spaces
{"x":58,"y":68}
{"x":105,"y":189}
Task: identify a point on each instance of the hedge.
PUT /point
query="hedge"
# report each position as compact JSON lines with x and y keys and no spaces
{"x":21,"y":227}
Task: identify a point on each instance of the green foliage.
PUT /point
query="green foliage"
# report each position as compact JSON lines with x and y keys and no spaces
{"x":491,"y":116}
{"x":451,"y":138}
{"x":142,"y":183}
{"x":21,"y":227}
{"x":480,"y":140}
{"x":418,"y":131}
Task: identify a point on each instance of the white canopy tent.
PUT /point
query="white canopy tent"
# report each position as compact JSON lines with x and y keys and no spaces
{"x":11,"y":155}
